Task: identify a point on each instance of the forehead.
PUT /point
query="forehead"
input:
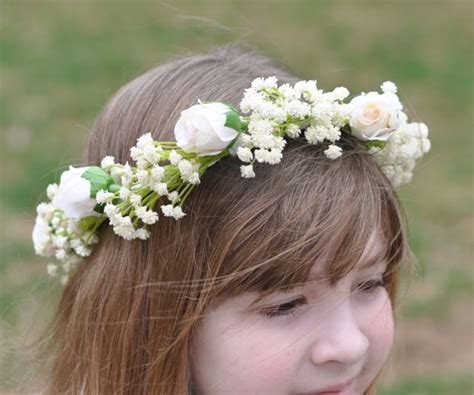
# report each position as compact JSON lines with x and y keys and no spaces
{"x":372,"y":260}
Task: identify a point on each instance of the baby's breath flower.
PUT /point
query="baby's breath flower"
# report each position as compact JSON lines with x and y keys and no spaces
{"x":388,"y":87}
{"x":247,"y":171}
{"x":244,"y":154}
{"x":104,"y":196}
{"x":135,"y":199}
{"x":194,"y":178}
{"x":333,"y":152}
{"x":157,"y":173}
{"x":143,"y":176}
{"x":173,"y":197}
{"x":125,"y":228}
{"x":52,"y":190}
{"x":52,"y":269}
{"x":107,"y":162}
{"x":148,"y":217}
{"x":172,"y":211}
{"x":174,"y":157}
{"x":142,"y":234}
{"x":293,"y":131}
{"x":145,"y":141}
{"x":124,"y":193}
{"x":161,"y":188}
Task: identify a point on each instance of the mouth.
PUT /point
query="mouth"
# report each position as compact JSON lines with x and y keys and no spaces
{"x":339,"y":389}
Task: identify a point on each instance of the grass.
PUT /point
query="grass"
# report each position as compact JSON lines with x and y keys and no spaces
{"x":61,"y":61}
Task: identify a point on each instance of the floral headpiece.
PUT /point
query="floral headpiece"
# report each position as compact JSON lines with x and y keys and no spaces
{"x":126,"y":195}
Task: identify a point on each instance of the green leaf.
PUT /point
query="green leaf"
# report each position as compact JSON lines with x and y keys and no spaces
{"x":113,"y":188}
{"x":375,"y":143}
{"x":98,"y":178}
{"x":233,"y":121}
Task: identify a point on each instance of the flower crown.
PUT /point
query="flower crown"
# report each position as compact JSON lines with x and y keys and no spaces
{"x":66,"y":227}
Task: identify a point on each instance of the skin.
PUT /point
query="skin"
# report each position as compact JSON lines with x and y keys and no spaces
{"x":336,"y":334}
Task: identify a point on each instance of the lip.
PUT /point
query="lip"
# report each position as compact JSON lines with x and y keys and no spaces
{"x":339,"y":389}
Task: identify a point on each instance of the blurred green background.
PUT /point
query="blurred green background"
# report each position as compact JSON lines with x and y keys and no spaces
{"x":61,"y":61}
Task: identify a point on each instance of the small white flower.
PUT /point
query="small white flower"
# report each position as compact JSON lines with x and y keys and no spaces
{"x":308,"y":89}
{"x":46,"y":210}
{"x":333,"y":134}
{"x":145,"y":141}
{"x":136,"y":154}
{"x":111,"y":210}
{"x":173,"y":197}
{"x":124,"y":193}
{"x":135,"y":199}
{"x":72,"y":227}
{"x":247,"y":171}
{"x":143,"y":177}
{"x":274,"y":156}
{"x":172,"y":211}
{"x":315,"y":134}
{"x":80,"y":248}
{"x":142,"y":234}
{"x":103,"y":196}
{"x":107,"y":162}
{"x":261,"y":126}
{"x":56,"y":221}
{"x":194,"y":178}
{"x":293,"y":131}
{"x":161,"y":188}
{"x":202,"y":129}
{"x":244,"y":154}
{"x":52,"y":269}
{"x":126,"y":175}
{"x":388,"y":87}
{"x":52,"y":190}
{"x":41,"y":236}
{"x":59,"y":241}
{"x":157,"y":173}
{"x":185,"y":168}
{"x":125,"y":229}
{"x":174,"y":157}
{"x":148,"y":217}
{"x":333,"y":152}
{"x":340,"y":93}
{"x":297,"y":109}
{"x":60,"y":255}
{"x":152,"y":154}
{"x":262,"y":83}
{"x":287,"y":91}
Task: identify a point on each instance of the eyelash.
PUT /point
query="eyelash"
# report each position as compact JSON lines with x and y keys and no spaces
{"x":284,"y":309}
{"x":289,"y":308}
{"x":371,"y":287}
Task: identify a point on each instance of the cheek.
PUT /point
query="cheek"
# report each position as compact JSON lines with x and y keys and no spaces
{"x":244,"y":360}
{"x":381,"y":331}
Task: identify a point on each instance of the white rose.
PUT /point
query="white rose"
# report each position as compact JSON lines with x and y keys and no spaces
{"x":74,"y":194}
{"x":202,"y":129}
{"x":374,"y":116}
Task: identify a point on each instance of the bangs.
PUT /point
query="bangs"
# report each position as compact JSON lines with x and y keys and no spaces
{"x":316,"y":211}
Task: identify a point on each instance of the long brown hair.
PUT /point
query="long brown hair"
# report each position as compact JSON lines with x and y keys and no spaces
{"x":127,"y":316}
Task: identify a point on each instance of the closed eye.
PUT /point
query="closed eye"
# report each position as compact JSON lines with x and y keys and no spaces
{"x":284,"y":309}
{"x":370,"y":287}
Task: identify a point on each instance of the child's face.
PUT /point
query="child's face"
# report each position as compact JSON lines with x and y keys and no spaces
{"x":336,"y":334}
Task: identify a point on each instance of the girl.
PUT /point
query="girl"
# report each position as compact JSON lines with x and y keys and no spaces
{"x":282,"y":283}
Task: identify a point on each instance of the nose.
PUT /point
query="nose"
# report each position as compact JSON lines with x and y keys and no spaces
{"x":339,"y":338}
